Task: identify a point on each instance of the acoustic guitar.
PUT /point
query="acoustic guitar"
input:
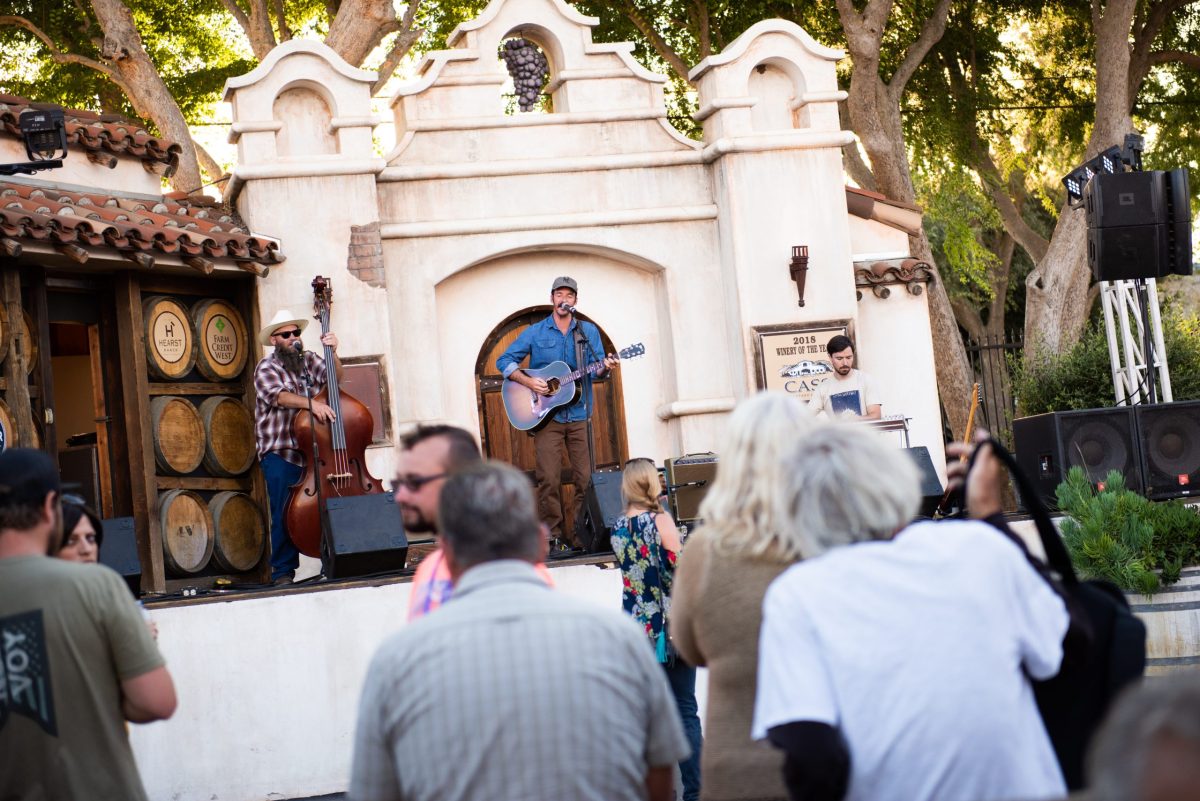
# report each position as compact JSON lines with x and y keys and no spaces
{"x":527,"y":409}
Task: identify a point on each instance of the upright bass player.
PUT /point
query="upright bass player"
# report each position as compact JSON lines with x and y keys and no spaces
{"x":280,"y":393}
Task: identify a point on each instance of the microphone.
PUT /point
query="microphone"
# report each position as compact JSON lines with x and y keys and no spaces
{"x":296,"y":346}
{"x":567,"y":307}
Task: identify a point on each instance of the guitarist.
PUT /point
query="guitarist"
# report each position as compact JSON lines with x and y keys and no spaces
{"x":555,"y":339}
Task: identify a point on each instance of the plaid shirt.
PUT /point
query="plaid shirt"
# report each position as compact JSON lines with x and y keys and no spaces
{"x":273,"y":423}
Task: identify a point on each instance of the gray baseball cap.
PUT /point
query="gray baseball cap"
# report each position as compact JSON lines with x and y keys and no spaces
{"x":565,"y":281}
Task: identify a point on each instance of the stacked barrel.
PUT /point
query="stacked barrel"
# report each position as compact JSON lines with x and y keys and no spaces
{"x":27,"y":352}
{"x":203,"y":433}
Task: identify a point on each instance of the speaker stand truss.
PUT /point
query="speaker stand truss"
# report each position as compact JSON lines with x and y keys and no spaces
{"x":1135,"y":342}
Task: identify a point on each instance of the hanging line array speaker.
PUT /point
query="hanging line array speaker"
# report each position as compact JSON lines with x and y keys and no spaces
{"x":1139,"y":225}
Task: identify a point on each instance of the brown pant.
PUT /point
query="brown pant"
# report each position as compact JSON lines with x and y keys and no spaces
{"x":549,"y":442}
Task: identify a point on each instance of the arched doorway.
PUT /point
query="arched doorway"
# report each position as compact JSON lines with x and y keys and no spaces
{"x":503,"y":442}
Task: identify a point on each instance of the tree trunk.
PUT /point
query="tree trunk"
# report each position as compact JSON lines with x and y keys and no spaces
{"x":874,"y":109}
{"x":1056,"y":290}
{"x":359,"y":27}
{"x":123,"y":49}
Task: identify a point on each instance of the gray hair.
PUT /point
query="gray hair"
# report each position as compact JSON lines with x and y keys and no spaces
{"x":844,"y":484}
{"x":1143,"y":714}
{"x":740,"y":509}
{"x":487,"y":512}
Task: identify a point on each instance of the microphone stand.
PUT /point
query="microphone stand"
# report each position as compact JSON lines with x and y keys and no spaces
{"x":307,"y":380}
{"x":581,"y":343}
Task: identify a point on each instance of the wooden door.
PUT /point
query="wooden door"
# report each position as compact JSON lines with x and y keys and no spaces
{"x":503,"y":442}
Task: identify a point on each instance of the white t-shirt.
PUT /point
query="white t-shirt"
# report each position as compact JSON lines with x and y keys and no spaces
{"x":914,"y":648}
{"x":836,"y":396}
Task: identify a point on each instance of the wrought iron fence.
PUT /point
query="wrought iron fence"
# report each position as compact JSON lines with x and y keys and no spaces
{"x":990,"y":360}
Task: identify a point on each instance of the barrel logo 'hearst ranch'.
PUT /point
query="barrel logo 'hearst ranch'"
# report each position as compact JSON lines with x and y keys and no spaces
{"x":170,"y":337}
{"x":221,"y":340}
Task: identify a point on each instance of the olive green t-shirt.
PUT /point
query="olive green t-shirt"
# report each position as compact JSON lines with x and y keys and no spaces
{"x":69,"y":634}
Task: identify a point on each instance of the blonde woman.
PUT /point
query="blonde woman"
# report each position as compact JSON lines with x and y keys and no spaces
{"x":720,"y":584}
{"x":646,"y":544}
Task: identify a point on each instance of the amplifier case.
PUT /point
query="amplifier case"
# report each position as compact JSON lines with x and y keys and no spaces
{"x":696,"y":467}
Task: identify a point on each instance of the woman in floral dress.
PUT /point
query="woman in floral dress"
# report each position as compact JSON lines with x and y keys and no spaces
{"x":646,"y":544}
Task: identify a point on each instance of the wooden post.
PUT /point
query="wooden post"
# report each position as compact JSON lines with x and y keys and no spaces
{"x":17,"y":393}
{"x":135,"y":394}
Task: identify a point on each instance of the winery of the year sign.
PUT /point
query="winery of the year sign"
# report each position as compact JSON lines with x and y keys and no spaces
{"x":792,"y":358}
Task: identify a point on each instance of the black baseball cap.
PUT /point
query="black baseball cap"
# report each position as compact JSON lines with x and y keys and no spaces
{"x":26,"y":476}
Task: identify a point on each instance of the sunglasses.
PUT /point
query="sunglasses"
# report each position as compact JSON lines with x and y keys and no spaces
{"x":76,"y":500}
{"x":413,"y":483}
{"x":287,"y":334}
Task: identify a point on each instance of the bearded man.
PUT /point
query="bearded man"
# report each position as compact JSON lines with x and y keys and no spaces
{"x":279,"y":387}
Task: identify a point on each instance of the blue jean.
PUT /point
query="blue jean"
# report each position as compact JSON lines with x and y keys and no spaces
{"x":280,"y":475}
{"x":682,"y":678}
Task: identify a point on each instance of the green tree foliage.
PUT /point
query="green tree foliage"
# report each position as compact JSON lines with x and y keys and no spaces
{"x":194,"y":44}
{"x":1081,"y":378}
{"x":1118,"y":535}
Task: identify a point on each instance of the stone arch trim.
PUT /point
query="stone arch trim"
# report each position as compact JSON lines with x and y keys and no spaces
{"x":740,"y":45}
{"x":293,"y":47}
{"x":625,"y":257}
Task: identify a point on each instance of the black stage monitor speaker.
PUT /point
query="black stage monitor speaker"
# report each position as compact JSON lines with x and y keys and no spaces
{"x":119,"y":551}
{"x":931,"y":486}
{"x":1098,"y":440}
{"x":365,"y":536}
{"x":1170,"y":448}
{"x":601,"y":508}
{"x":688,"y":479}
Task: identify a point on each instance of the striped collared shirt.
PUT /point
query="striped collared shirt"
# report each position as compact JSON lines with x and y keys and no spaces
{"x":513,"y":691}
{"x":273,"y":423}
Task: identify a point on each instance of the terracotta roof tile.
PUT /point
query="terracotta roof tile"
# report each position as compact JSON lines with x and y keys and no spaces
{"x":99,"y":134}
{"x":133,"y":226}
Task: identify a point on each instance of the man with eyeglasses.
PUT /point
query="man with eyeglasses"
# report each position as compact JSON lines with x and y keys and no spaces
{"x":76,"y":660}
{"x":427,"y":455}
{"x":280,"y":392}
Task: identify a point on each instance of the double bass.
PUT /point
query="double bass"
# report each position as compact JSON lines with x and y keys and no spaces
{"x":338,"y":468}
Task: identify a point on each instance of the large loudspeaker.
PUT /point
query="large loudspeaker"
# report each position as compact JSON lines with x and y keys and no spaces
{"x":1170,"y":448}
{"x":366,"y":536}
{"x":1139,"y":225}
{"x":120,"y":552}
{"x":601,"y":508}
{"x":1098,"y":440}
{"x":931,"y":486}
{"x":689,"y":477}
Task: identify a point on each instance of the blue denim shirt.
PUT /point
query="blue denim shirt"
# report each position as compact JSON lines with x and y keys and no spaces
{"x":543,"y":343}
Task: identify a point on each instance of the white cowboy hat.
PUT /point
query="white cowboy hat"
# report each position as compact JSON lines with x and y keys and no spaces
{"x":282,"y":317}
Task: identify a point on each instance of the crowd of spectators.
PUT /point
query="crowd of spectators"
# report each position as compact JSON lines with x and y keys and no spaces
{"x":852,"y":653}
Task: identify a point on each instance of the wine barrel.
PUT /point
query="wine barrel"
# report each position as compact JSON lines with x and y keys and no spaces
{"x":187,"y":531}
{"x":178,"y":434}
{"x":1172,"y":618}
{"x":8,"y":428}
{"x":5,"y":332}
{"x":229,"y":445}
{"x":223,"y":341}
{"x":239,"y":531}
{"x":170,"y":343}
{"x":28,"y":341}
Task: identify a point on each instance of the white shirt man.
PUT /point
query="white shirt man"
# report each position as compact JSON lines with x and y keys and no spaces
{"x":848,"y":391}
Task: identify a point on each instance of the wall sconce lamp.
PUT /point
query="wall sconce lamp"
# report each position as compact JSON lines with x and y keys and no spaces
{"x":799,"y":268}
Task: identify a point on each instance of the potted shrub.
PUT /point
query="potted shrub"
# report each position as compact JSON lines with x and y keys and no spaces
{"x":1116,"y":534}
{"x":1141,"y":546}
